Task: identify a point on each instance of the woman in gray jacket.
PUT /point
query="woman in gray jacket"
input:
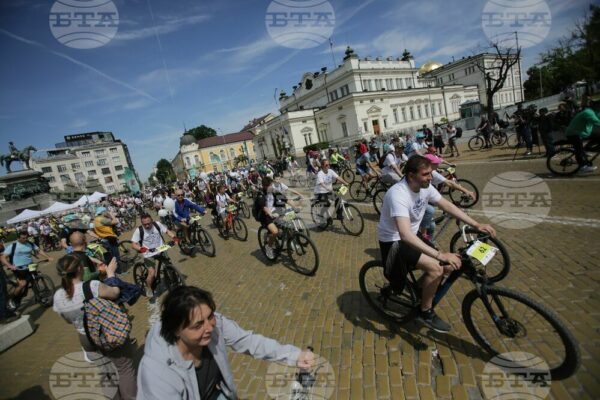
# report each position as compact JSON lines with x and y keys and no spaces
{"x":185,"y":355}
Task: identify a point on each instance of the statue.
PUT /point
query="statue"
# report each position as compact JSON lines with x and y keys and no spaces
{"x":16,"y":155}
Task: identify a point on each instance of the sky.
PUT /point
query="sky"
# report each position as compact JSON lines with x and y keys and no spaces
{"x":170,"y":64}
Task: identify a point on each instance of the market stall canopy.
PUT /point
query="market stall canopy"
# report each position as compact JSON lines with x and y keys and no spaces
{"x":24,"y":216}
{"x":97,"y":196}
{"x":57,"y":207}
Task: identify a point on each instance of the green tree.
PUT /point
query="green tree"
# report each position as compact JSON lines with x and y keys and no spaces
{"x":202,"y":132}
{"x":164,"y":171}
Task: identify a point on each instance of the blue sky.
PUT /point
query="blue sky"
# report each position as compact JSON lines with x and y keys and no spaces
{"x":196,"y":62}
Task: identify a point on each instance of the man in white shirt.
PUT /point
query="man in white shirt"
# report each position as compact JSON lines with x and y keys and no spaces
{"x":326,"y":177}
{"x":419,"y":147}
{"x":390,"y":173}
{"x":403,"y":208}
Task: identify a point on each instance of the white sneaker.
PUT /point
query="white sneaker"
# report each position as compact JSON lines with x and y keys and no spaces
{"x":269,"y":251}
{"x":587,"y":169}
{"x":149,"y":292}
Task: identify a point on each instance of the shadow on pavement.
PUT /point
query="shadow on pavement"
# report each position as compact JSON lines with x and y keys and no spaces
{"x":371,"y":216}
{"x":374,"y":253}
{"x":33,"y":393}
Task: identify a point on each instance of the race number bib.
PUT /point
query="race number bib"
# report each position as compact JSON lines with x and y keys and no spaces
{"x":343,"y":190}
{"x":482,"y":252}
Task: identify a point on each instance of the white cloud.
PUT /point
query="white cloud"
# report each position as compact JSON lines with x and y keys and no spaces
{"x":169,"y":26}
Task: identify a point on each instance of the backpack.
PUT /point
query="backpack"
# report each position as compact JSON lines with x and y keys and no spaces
{"x":382,"y":160}
{"x":458,"y":133}
{"x":257,"y":207}
{"x":106,"y":326}
{"x":142,"y":232}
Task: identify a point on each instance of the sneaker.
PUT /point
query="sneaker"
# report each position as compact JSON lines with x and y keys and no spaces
{"x":528,"y":153}
{"x":149,"y":292}
{"x":431,"y":320}
{"x":586,"y":169}
{"x":269,"y":251}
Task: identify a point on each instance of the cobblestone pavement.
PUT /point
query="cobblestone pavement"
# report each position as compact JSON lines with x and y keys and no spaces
{"x":555,"y":262}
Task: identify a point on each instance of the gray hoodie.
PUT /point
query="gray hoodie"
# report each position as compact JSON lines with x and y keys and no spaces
{"x":164,"y":374}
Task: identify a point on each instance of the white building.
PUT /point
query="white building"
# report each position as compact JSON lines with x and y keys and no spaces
{"x":97,"y":155}
{"x":466,"y":72}
{"x":360,"y":98}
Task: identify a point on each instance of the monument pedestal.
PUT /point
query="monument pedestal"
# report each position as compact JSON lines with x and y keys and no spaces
{"x":14,"y":332}
{"x":23,"y":189}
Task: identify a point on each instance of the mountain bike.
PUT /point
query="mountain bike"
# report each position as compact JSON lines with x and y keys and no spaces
{"x":301,"y":250}
{"x":358,"y":192}
{"x":563,"y":161}
{"x":243,"y":206}
{"x":231,"y":223}
{"x":344,"y":170}
{"x":41,"y":285}
{"x":499,"y":319}
{"x":166,"y":273}
{"x":100,"y":250}
{"x":457,"y":197}
{"x":200,"y":237}
{"x":351,"y":218}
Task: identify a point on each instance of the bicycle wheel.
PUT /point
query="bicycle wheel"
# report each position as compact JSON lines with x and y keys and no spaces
{"x":353,"y":221}
{"x":498,"y":267}
{"x":512,"y":141}
{"x":376,"y":289}
{"x":348,"y":175}
{"x":319,"y":215}
{"x":245,"y":209}
{"x":459,"y":198}
{"x":172,"y":277}
{"x":240,"y":230}
{"x":263,"y":234}
{"x":378,"y":200}
{"x":44,"y":290}
{"x":476,"y":143}
{"x":203,"y":239}
{"x":303,"y":253}
{"x":358,"y":191}
{"x":301,"y":227}
{"x":498,"y":139}
{"x":126,"y":252}
{"x":140,"y":273}
{"x":520,"y":324}
{"x":563,"y":162}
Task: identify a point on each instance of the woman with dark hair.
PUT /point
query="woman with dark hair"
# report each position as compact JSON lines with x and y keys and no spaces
{"x":185,"y":355}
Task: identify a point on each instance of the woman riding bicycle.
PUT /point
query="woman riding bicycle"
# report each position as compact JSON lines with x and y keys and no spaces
{"x":324,"y":186}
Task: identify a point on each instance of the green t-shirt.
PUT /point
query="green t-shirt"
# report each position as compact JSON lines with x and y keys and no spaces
{"x":583,"y":123}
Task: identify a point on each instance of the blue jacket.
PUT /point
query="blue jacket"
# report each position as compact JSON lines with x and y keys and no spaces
{"x":182,"y":210}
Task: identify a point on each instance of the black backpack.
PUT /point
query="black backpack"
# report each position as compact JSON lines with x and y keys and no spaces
{"x":141,"y":242}
{"x":458,"y":132}
{"x":13,"y":249}
{"x":257,"y":207}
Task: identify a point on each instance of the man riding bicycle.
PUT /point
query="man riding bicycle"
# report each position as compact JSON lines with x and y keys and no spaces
{"x":582,"y":127}
{"x":105,"y":225}
{"x":222,"y":200}
{"x":181,"y":212}
{"x":401,"y":249}
{"x":146,"y":239}
{"x":324,"y":186}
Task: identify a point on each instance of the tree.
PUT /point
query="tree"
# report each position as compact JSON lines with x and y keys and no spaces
{"x":164,"y":171}
{"x":496,"y":72}
{"x":202,"y":132}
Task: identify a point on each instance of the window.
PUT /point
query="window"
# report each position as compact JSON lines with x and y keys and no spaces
{"x":85,"y":154}
{"x":101,"y":161}
{"x":333,"y":95}
{"x":440,"y":108}
{"x":89,"y":163}
{"x":395,"y":111}
{"x":403,"y":114}
{"x":113,"y":150}
{"x":75,"y":166}
{"x":344,"y":128}
{"x":46,"y":170}
{"x":51,"y":179}
{"x":426,"y":106}
{"x":121,"y":176}
{"x":110,"y":188}
{"x":116,"y":159}
{"x":366,"y":126}
{"x":118,"y":168}
{"x":412,"y":113}
{"x":399,"y":83}
{"x":64,"y":178}
{"x":79,"y":177}
{"x":105,"y":171}
{"x":419,"y":112}
{"x":345,"y":90}
{"x":433,"y":110}
{"x":385,"y":122}
{"x":187,"y":161}
{"x":223,"y":155}
{"x":108,"y":179}
{"x":99,"y":152}
{"x":231,"y":155}
{"x":92,"y":172}
{"x":196,"y":160}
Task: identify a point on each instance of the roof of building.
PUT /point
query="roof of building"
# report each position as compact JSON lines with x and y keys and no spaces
{"x":225,"y":139}
{"x":254,"y":122}
{"x":186,"y":140}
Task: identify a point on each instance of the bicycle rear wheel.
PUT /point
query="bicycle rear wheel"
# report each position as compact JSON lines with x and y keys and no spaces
{"x":202,"y":238}
{"x":378,"y":200}
{"x":521,"y":324}
{"x":498,"y":267}
{"x":353,"y":221}
{"x":358,"y":191}
{"x":376,"y":289}
{"x":512,"y":141}
{"x":498,"y":139}
{"x":476,"y":143}
{"x":563,"y":162}
{"x":240,"y":230}
{"x":303,"y":253}
{"x":459,"y":198}
{"x":44,"y":290}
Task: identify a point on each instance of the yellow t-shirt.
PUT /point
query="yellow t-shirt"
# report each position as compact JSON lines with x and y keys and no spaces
{"x":101,"y":230}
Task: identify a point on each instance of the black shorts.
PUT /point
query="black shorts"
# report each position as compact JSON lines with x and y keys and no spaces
{"x":266,"y":220}
{"x":406,"y":260}
{"x":22,"y":274}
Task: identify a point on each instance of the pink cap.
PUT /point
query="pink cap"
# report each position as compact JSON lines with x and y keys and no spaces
{"x":433,"y":158}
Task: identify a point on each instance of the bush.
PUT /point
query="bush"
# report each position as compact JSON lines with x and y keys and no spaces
{"x":316,"y":146}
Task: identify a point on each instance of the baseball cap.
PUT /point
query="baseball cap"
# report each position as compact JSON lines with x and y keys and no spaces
{"x":433,"y":158}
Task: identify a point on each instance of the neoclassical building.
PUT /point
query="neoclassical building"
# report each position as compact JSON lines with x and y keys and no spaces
{"x":360,"y":98}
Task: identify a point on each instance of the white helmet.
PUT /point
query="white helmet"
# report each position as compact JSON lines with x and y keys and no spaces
{"x":162,"y":212}
{"x":169,"y":204}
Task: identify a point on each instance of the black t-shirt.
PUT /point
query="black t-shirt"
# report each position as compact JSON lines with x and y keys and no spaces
{"x":209,"y":376}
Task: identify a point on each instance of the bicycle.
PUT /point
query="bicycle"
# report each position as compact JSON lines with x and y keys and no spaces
{"x":41,"y":284}
{"x":233,"y":220}
{"x":358,"y":192}
{"x":165,"y":271}
{"x":200,"y":236}
{"x":127,"y":255}
{"x":499,"y":319}
{"x":345,"y":171}
{"x":244,"y":209}
{"x":352,"y":219}
{"x":457,"y":197}
{"x":299,"y":246}
{"x":297,"y":180}
{"x":563,"y":161}
{"x":497,"y":138}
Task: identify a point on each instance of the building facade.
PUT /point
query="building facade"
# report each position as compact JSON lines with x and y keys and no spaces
{"x":96,"y":155}
{"x":359,"y":99}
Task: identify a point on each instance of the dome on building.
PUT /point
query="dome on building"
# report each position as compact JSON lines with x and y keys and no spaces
{"x":428,"y":67}
{"x":187,"y":140}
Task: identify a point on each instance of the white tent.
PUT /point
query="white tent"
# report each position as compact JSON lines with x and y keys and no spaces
{"x":24,"y":216}
{"x":57,"y":207}
{"x":97,"y":196}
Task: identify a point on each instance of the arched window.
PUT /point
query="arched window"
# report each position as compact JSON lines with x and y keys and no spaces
{"x":232,"y":153}
{"x":187,"y":161}
{"x":223,"y":155}
{"x":196,"y":160}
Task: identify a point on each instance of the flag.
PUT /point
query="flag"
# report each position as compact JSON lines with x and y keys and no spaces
{"x":131,"y":180}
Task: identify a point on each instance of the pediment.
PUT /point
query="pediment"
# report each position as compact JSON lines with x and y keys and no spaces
{"x":374,"y":110}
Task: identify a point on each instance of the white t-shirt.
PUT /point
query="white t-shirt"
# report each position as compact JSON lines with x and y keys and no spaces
{"x":326,"y":178}
{"x":223,"y":199}
{"x":390,"y":160}
{"x":417,"y":146}
{"x":71,"y":309}
{"x":158,"y":200}
{"x":437,"y":178}
{"x":279,"y":187}
{"x":152,"y":237}
{"x":401,"y":201}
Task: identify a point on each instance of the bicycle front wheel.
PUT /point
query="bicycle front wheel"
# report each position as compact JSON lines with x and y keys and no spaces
{"x":353,"y":221}
{"x":140,"y":273}
{"x":476,"y":143}
{"x":303,"y":253}
{"x":358,"y":191}
{"x":376,"y":289}
{"x":319,"y":214}
{"x":245,"y":210}
{"x":515,"y":322}
{"x":348,"y":175}
{"x":203,"y":239}
{"x":498,"y":139}
{"x":263,"y":239}
{"x":240,"y":230}
{"x":378,"y":200}
{"x":172,"y":277}
{"x":563,"y":162}
{"x":44,"y":290}
{"x":512,"y":141}
{"x":461,"y":199}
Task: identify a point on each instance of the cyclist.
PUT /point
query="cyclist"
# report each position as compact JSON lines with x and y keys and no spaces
{"x":582,"y":127}
{"x":366,"y":167}
{"x":486,"y":130}
{"x":105,"y":226}
{"x":266,"y":214}
{"x":334,"y":158}
{"x":278,"y":192}
{"x":401,"y":214}
{"x":17,"y":258}
{"x":222,"y":200}
{"x":324,"y":186}
{"x":416,"y":148}
{"x":181,"y":212}
{"x":392,"y":159}
{"x":146,"y":239}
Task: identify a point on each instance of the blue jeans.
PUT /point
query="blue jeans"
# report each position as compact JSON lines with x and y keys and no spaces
{"x":427,"y":221}
{"x":112,"y":244}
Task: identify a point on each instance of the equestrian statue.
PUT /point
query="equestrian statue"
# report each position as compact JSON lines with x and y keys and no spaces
{"x":15,"y":155}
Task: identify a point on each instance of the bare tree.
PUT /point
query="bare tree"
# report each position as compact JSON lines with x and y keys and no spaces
{"x":495,"y":74}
